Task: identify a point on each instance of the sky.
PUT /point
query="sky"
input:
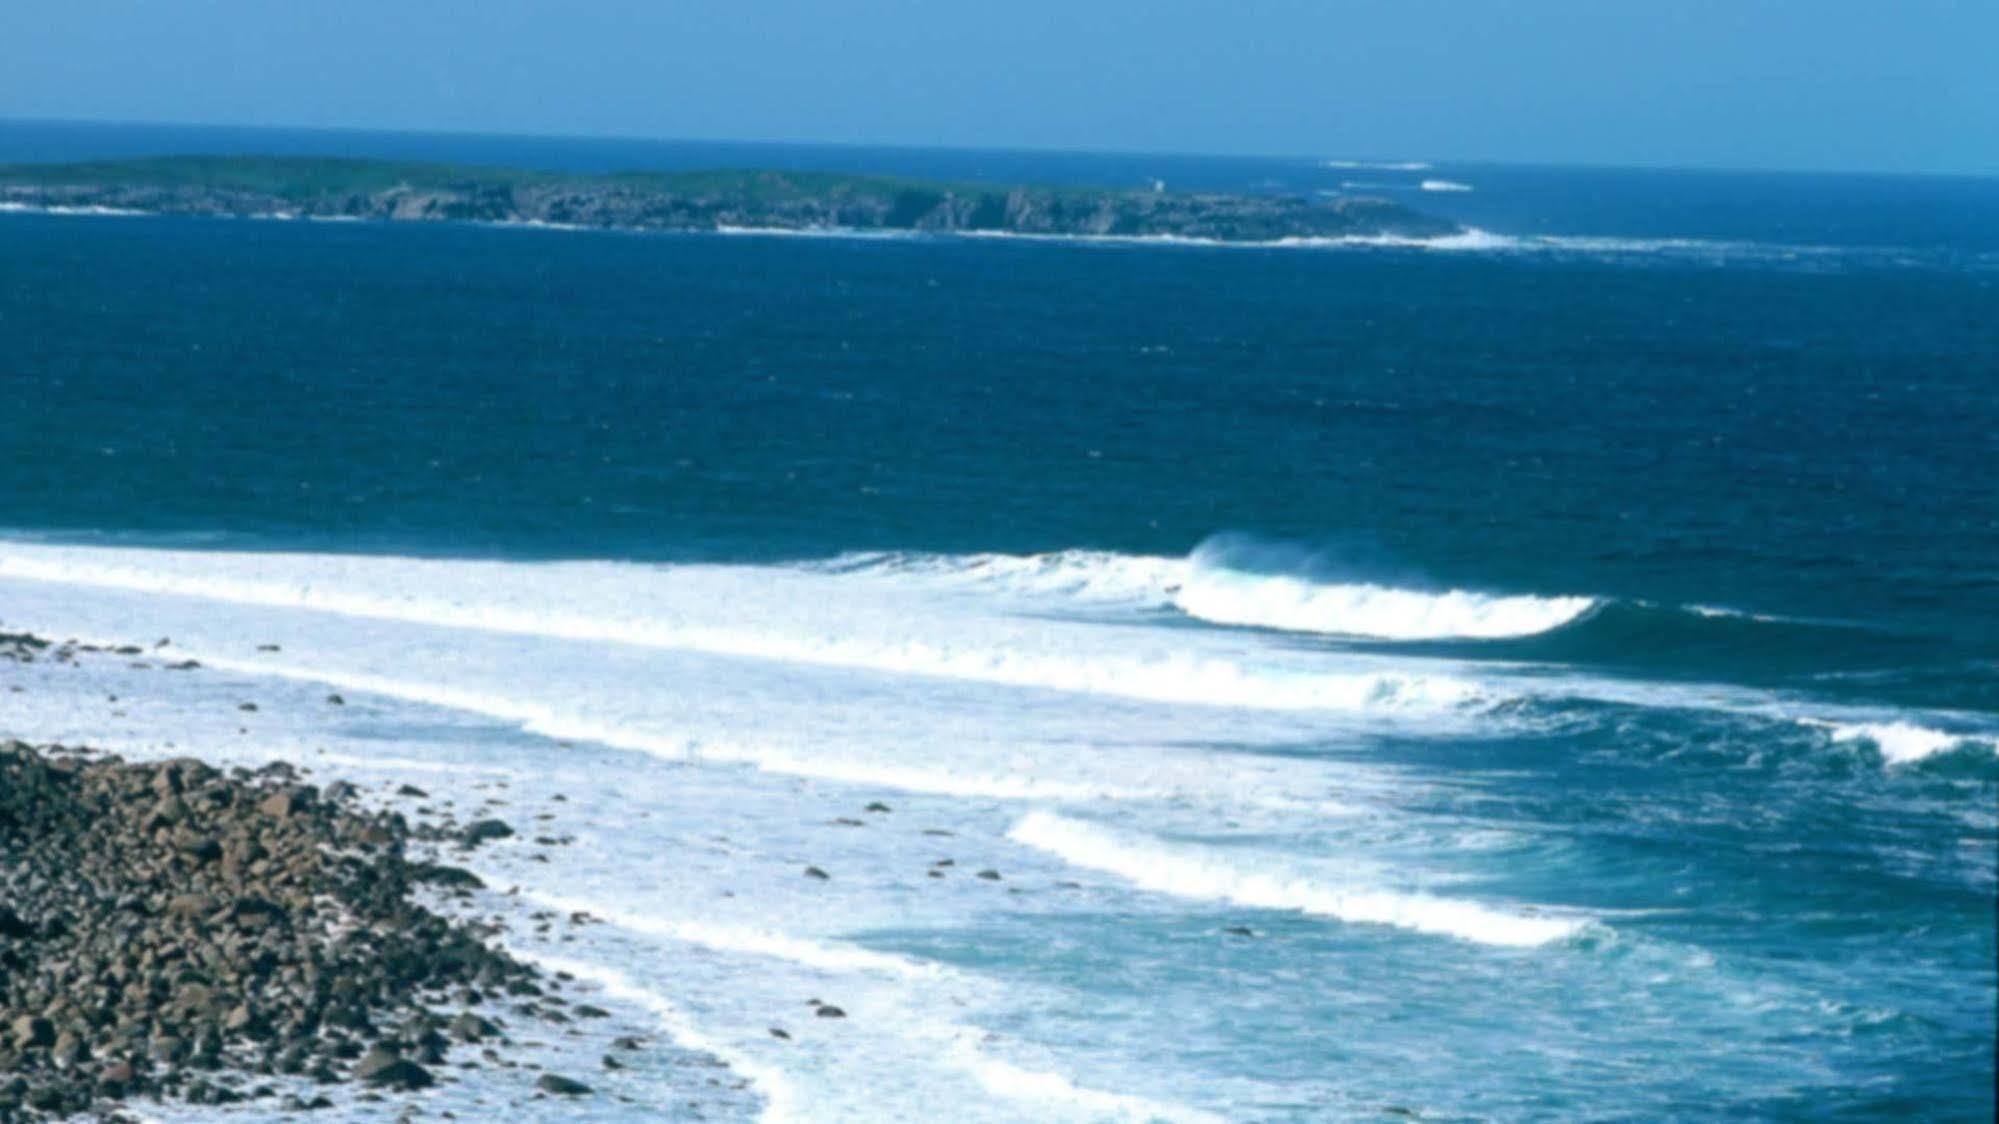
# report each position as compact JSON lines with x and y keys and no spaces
{"x":1863,"y":85}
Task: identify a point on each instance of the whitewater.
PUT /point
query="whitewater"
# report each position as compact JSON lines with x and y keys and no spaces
{"x":1545,"y":673}
{"x":830,"y":682}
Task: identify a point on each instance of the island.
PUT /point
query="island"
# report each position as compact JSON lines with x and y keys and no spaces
{"x":325,"y":188}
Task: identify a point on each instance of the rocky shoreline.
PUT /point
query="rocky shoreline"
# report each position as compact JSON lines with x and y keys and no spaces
{"x":172,"y":931}
{"x":272,"y":187}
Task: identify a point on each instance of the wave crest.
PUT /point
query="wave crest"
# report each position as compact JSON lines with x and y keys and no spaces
{"x":1208,"y":585}
{"x":1902,"y":743}
{"x":1187,"y":873}
{"x":1295,"y":604}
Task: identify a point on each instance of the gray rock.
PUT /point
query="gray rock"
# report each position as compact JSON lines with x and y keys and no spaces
{"x":562,"y":1086}
{"x":483,"y":831}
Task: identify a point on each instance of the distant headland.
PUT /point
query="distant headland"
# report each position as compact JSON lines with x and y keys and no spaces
{"x":318,"y":188}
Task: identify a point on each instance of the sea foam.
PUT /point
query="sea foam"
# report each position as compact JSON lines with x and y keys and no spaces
{"x":607,"y":603}
{"x":1204,"y":586}
{"x":1202,"y":874}
{"x":1295,"y":604}
{"x":1901,"y":743}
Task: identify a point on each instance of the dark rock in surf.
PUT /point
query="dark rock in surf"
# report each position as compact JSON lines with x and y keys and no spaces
{"x":485,"y":831}
{"x":562,"y":1086}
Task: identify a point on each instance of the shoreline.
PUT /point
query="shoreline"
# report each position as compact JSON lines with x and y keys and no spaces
{"x":702,"y":201}
{"x":177,"y":932}
{"x":1466,"y":238}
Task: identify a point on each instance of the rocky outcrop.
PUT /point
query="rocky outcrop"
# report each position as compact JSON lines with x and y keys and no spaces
{"x":172,"y":930}
{"x":700,"y":201}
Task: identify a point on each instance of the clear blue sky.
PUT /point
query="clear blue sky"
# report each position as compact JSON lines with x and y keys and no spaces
{"x":1892,"y":85}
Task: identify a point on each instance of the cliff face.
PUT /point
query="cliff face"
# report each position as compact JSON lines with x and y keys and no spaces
{"x":711,"y":201}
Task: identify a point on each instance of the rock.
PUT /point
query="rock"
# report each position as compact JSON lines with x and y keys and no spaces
{"x":469,"y":1027}
{"x":12,"y":927}
{"x":249,"y":706}
{"x":485,"y":830}
{"x":562,"y":1086}
{"x":815,"y":872}
{"x":335,"y":700}
{"x":780,"y":1032}
{"x":380,"y":1068}
{"x":990,"y":875}
{"x":878,"y":806}
{"x":33,"y":1030}
{"x":828,"y":1011}
{"x":170,"y":930}
{"x":450,"y":877}
{"x":285,"y":802}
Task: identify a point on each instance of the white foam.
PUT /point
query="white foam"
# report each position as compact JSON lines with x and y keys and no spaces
{"x":1018,"y":1083}
{"x":819,"y":955}
{"x":1085,"y":575}
{"x":1202,"y":586}
{"x":14,"y":208}
{"x":1378,"y":165}
{"x":1444,"y":185}
{"x":781,"y":1100}
{"x":1294,"y":604}
{"x":549,"y":722}
{"x":1204,"y":875}
{"x":796,"y":624}
{"x":1900,"y":743}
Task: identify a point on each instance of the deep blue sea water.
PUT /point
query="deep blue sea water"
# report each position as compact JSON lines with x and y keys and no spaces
{"x":1549,"y":675}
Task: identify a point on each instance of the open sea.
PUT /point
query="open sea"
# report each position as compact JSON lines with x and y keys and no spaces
{"x":1547,"y":674}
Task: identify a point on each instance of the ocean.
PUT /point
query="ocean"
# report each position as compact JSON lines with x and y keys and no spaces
{"x":1547,"y":674}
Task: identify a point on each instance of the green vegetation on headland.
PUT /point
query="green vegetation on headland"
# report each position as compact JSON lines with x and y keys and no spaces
{"x":314,"y":187}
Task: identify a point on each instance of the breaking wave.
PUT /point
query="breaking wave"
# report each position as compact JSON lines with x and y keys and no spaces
{"x":1904,"y":743}
{"x":1378,"y":165}
{"x":1206,"y":586}
{"x":1186,"y":872}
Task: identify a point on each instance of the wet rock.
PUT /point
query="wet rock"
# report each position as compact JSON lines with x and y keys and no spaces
{"x":383,"y":1069}
{"x":169,"y":929}
{"x":32,"y":1030}
{"x":562,"y":1086}
{"x":469,"y":1027}
{"x":450,"y":877}
{"x":483,"y":831}
{"x":285,"y":802}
